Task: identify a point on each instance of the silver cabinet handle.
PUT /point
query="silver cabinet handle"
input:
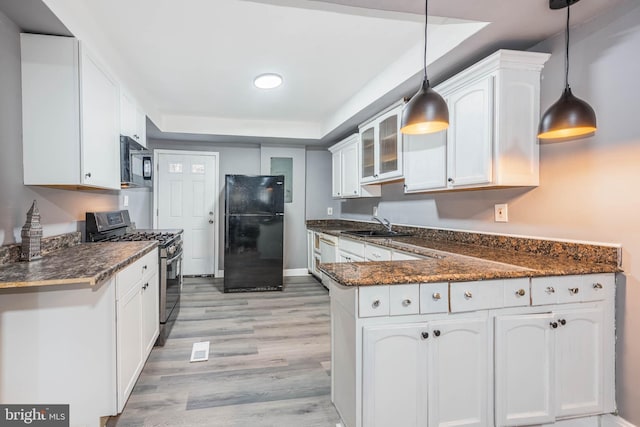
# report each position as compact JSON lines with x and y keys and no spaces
{"x":355,"y":191}
{"x":468,"y":295}
{"x":436,"y":333}
{"x":210,"y":221}
{"x":425,"y":335}
{"x":450,"y":180}
{"x":574,"y":291}
{"x":597,"y":286}
{"x":87,"y":175}
{"x":562,"y":322}
{"x":550,"y":290}
{"x":376,"y":304}
{"x":554,"y":325}
{"x":521,"y":293}
{"x":436,"y":296}
{"x":406,"y":302}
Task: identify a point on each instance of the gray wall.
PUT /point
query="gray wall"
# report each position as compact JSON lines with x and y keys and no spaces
{"x":62,"y":210}
{"x":319,"y":186}
{"x":588,"y":188}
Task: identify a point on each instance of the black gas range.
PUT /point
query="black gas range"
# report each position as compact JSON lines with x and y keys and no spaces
{"x":116,"y":226}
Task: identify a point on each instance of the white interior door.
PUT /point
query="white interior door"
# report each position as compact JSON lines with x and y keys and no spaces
{"x":186,"y":194}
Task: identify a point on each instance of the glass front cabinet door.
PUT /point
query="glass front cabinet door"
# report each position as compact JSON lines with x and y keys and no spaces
{"x":381,"y":145}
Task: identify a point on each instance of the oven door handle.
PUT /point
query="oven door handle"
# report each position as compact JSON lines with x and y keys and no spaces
{"x":169,"y":261}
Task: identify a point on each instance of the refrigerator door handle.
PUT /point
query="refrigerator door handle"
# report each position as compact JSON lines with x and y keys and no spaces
{"x":280,"y":213}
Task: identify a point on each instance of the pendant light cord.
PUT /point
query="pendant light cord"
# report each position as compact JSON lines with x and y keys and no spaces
{"x":566,"y":55}
{"x":426,"y":9}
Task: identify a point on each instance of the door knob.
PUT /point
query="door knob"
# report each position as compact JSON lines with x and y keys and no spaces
{"x":521,"y":292}
{"x":436,"y":296}
{"x":468,"y":295}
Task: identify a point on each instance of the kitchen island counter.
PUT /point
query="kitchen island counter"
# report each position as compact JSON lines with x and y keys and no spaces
{"x":88,"y":263}
{"x":463,"y":256}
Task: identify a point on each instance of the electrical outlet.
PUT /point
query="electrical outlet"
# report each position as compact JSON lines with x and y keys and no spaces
{"x":125,"y":201}
{"x":375,"y":211}
{"x":501,"y":213}
{"x":329,"y":211}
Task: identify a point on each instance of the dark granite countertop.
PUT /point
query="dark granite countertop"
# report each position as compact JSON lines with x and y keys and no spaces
{"x":89,"y":263}
{"x":448,"y":260}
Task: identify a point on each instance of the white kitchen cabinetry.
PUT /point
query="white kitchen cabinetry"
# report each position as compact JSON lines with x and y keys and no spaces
{"x":350,"y":250}
{"x":310,"y":251}
{"x":420,"y":367}
{"x":345,"y":163}
{"x":133,"y":120}
{"x":488,"y":350}
{"x":138,"y":320}
{"x":70,"y":115}
{"x":549,"y":365}
{"x":381,"y":147}
{"x":491,"y":140}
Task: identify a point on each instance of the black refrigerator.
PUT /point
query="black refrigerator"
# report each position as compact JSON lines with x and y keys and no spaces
{"x":254,"y":224}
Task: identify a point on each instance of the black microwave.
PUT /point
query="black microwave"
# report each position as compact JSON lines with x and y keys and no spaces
{"x":136,"y":164}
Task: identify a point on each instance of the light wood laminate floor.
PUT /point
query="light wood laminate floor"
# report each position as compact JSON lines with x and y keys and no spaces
{"x":268,"y":361}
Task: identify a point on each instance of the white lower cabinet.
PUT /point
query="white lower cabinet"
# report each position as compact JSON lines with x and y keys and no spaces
{"x":137,"y":321}
{"x":549,"y":365}
{"x":435,"y":374}
{"x":507,"y":363}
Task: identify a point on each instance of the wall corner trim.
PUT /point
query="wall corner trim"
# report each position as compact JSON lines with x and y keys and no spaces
{"x":611,"y":420}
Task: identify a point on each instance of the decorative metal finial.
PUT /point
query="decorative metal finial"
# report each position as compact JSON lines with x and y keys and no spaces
{"x":31,"y":235}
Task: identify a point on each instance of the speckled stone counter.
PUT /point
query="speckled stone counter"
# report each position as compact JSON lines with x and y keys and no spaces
{"x":89,"y":263}
{"x":464,"y":256}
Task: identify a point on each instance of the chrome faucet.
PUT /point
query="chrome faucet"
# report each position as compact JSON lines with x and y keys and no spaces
{"x":384,"y":221}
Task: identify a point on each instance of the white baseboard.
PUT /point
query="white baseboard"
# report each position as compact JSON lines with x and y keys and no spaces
{"x":615,"y":421}
{"x":220,"y":273}
{"x":296,"y":272}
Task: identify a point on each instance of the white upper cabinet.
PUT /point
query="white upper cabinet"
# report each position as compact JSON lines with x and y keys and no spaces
{"x":494,"y":107}
{"x":381,"y":147}
{"x":132,"y":118}
{"x":70,"y":115}
{"x":345,"y":170}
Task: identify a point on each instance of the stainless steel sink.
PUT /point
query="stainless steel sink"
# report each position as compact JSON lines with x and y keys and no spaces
{"x":376,"y":233}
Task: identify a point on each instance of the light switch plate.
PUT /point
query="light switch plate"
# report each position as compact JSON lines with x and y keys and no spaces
{"x":375,"y":211}
{"x":125,"y":200}
{"x":329,"y":211}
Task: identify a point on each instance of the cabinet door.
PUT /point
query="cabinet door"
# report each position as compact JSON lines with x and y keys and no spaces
{"x":524,"y":364}
{"x":367,"y":145}
{"x":150,"y":313}
{"x":425,"y":161}
{"x":127,"y":114}
{"x":129,"y":338}
{"x":349,"y":168}
{"x":458,"y":374}
{"x":579,"y":362}
{"x":141,"y":127}
{"x":470,"y":148}
{"x":99,"y":125}
{"x":394,"y":377}
{"x":336,"y":174}
{"x":389,"y":146}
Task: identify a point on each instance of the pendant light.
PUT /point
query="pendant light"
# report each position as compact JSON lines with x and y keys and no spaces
{"x":426,"y":112}
{"x":569,"y":117}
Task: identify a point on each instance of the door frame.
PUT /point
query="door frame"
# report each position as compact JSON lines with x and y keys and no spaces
{"x":216,"y":189}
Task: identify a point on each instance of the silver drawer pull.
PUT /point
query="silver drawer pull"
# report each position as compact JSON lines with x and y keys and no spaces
{"x":597,"y":286}
{"x":550,"y":290}
{"x":468,"y":295}
{"x":376,"y":304}
{"x":406,"y":302}
{"x":521,"y":293}
{"x":574,"y":291}
{"x":436,"y":296}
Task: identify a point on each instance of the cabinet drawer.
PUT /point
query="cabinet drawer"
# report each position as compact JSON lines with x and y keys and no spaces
{"x":404,"y":256}
{"x":434,"y":297}
{"x":568,"y":289}
{"x":133,"y":274}
{"x":404,"y":299}
{"x":598,"y":286}
{"x":373,"y":301}
{"x":516,"y":292}
{"x":377,"y":253}
{"x":353,"y":246}
{"x":478,"y":295}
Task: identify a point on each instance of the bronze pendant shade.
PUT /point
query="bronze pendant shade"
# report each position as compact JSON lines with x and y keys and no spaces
{"x":569,"y":116}
{"x":427,"y":111}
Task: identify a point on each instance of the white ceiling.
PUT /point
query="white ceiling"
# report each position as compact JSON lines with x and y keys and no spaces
{"x":192,"y":62}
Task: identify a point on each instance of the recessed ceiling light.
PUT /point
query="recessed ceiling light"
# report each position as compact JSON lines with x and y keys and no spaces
{"x":268,"y":81}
